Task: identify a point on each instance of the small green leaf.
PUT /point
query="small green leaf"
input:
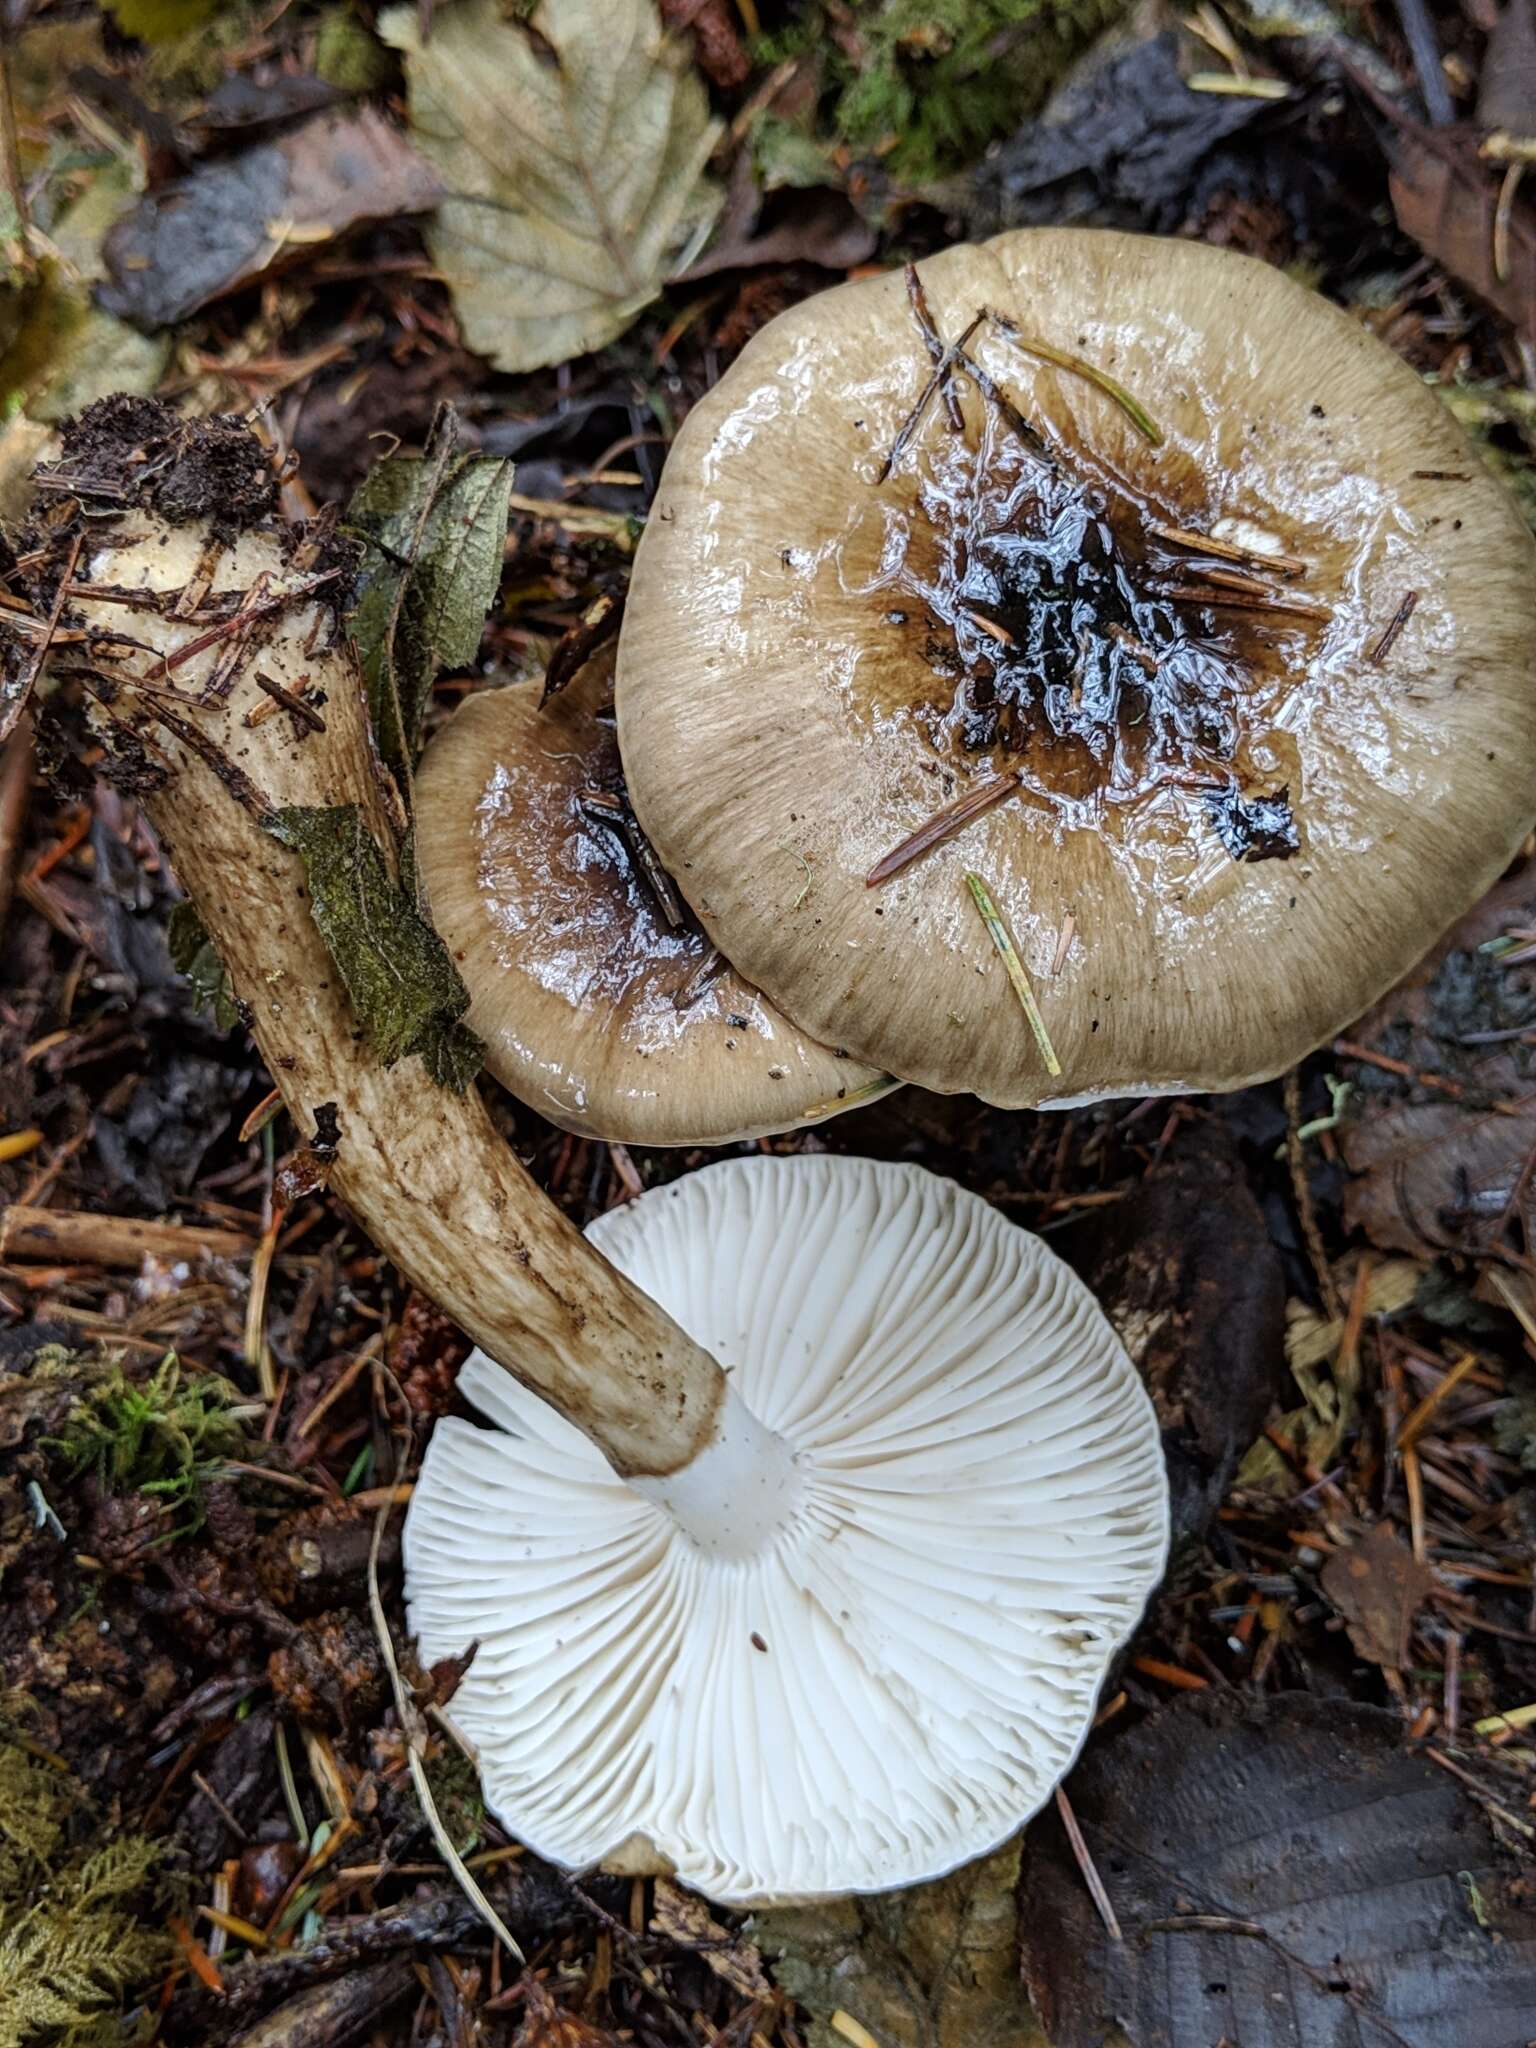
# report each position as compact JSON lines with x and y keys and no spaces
{"x":434,"y":528}
{"x":193,"y":954}
{"x":403,"y":985}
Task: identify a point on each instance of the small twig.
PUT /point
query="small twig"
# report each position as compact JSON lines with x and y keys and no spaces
{"x":1414,"y":1427}
{"x":283,"y":598}
{"x":1395,"y":625}
{"x":990,"y":627}
{"x":415,"y":1742}
{"x":286,"y":701}
{"x":935,"y":347}
{"x":973,"y":804}
{"x":1000,"y":936}
{"x":597,"y":625}
{"x":909,"y":426}
{"x":1301,"y":1189}
{"x":16,"y":702}
{"x":1060,"y":359}
{"x":1419,"y":34}
{"x":605,"y":807}
{"x":1479,"y":1792}
{"x":1227,"y":551}
{"x":994,"y":394}
{"x":240,"y":1834}
{"x":1239,"y":601}
{"x":1085,"y":1864}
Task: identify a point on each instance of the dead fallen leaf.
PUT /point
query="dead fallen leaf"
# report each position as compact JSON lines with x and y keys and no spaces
{"x":1447,"y":198}
{"x":684,"y":1918}
{"x":1187,"y":1273}
{"x":1434,"y":1171}
{"x":1286,"y":1874}
{"x":573,"y":145}
{"x":821,"y":227}
{"x":239,"y":218}
{"x":1378,"y":1585}
{"x":936,"y":1966}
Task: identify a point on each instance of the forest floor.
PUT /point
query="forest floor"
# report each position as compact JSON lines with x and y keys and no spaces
{"x":211,"y":1387}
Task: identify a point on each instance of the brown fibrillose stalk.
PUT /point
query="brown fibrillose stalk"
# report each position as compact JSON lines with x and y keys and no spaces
{"x":421,"y":1167}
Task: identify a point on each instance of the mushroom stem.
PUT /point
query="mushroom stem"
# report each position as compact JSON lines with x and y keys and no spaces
{"x":422,"y":1168}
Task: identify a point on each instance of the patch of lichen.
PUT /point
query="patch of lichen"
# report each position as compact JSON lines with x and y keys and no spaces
{"x":167,"y":1435}
{"x":927,"y":84}
{"x":75,"y":1940}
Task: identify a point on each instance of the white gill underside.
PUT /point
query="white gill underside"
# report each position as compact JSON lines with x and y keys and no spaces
{"x":897,"y":1679}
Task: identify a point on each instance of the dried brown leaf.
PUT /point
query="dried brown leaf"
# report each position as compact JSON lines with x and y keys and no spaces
{"x":1378,"y":1585}
{"x":244,"y":216}
{"x":1435,"y":1170}
{"x":1447,"y":198}
{"x":686,"y":1919}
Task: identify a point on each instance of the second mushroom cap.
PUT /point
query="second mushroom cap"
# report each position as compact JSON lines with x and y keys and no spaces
{"x":600,"y":1002}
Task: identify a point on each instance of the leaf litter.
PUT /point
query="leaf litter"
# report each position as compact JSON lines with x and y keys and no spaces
{"x":572,"y":142}
{"x":232,"y":1703}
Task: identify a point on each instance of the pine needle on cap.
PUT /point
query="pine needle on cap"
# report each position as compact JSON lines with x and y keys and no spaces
{"x":1060,"y":359}
{"x":1000,"y":936}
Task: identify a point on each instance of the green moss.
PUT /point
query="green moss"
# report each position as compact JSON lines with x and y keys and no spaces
{"x":73,"y":1940}
{"x":1500,"y":421}
{"x":166,"y":1435}
{"x":934,"y":81}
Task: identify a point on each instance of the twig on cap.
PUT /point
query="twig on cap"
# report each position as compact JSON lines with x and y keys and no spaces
{"x":1246,"y":601}
{"x":605,"y":807}
{"x":1226,"y":550}
{"x":1085,"y":1864}
{"x":994,"y":394}
{"x":954,"y":354}
{"x":973,"y":804}
{"x":935,"y":347}
{"x":999,"y":934}
{"x":1395,"y":625}
{"x":1060,"y":359}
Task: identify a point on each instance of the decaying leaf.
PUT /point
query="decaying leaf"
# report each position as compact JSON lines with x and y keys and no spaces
{"x":433,"y":529}
{"x":1327,"y":1378}
{"x":936,"y":1966}
{"x":1186,"y":1272}
{"x":683,"y":1917}
{"x":1447,"y":198}
{"x":397,"y":971}
{"x":572,"y":140}
{"x":242,"y":216}
{"x":1286,"y":1874}
{"x":193,"y":954}
{"x":1378,"y":1585}
{"x":1437,"y":1166}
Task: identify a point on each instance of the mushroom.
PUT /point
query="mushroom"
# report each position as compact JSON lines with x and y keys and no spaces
{"x":944,"y":1593}
{"x":1124,"y":575}
{"x":892,"y":1677}
{"x":600,"y":1002}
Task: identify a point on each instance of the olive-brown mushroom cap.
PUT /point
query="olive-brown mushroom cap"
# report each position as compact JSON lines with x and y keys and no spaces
{"x":811,"y":667}
{"x":593,"y":1009}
